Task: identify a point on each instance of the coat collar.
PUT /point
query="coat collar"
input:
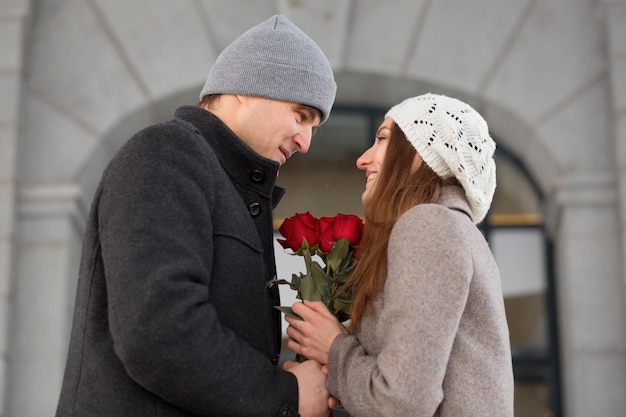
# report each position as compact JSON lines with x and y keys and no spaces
{"x":244,"y":166}
{"x":453,"y":197}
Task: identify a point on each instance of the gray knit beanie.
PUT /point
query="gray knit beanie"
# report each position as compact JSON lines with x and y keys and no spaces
{"x":275,"y":60}
{"x":453,"y":140}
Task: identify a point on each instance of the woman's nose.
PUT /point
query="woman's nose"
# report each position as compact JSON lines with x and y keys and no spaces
{"x":364,"y":160}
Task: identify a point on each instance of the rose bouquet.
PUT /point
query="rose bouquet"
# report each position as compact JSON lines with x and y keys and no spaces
{"x":334,"y":240}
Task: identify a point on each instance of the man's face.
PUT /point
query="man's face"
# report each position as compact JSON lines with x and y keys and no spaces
{"x":276,"y":129}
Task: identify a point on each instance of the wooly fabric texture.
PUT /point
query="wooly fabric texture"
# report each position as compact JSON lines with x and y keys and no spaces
{"x":275,"y":60}
{"x":453,"y":140}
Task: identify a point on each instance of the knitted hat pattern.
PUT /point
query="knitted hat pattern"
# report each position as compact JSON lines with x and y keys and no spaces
{"x":453,"y":139}
{"x":275,"y":60}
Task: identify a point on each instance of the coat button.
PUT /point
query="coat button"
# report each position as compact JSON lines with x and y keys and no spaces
{"x":275,"y":360}
{"x":254,"y":209}
{"x":257,"y":175}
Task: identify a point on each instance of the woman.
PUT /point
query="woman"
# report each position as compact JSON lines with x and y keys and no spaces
{"x":428,"y":331}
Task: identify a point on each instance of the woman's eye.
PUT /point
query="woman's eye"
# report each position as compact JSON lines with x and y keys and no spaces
{"x":380,"y":138}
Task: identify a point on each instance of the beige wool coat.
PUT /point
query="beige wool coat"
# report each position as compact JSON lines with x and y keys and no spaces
{"x":437,"y":343}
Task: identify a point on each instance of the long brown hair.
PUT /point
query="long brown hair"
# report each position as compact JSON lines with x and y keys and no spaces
{"x":397,"y":190}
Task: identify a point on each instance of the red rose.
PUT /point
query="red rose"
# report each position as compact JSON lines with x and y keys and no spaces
{"x":297,"y":229}
{"x":335,"y":242}
{"x":332,"y":229}
{"x":348,"y":226}
{"x":327,"y":234}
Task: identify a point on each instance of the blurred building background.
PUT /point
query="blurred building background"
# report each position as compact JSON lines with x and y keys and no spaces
{"x":78,"y":77}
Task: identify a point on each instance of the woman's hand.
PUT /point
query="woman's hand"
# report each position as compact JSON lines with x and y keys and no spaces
{"x":313,"y":336}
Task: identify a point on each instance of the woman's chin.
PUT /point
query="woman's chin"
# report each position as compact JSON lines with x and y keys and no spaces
{"x":365,"y":197}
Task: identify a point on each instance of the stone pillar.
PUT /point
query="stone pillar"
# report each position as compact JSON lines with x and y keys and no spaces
{"x":616,"y":36}
{"x":50,"y":222}
{"x":13,"y":17}
{"x":588,"y":261}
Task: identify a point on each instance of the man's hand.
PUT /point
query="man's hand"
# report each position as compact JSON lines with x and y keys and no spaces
{"x":313,"y":398}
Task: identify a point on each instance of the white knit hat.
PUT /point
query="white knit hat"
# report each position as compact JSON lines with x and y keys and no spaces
{"x":453,"y":140}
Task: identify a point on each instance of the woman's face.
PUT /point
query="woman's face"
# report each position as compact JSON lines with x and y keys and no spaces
{"x":371,"y":161}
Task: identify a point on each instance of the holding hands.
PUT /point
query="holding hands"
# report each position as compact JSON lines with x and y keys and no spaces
{"x":313,"y":398}
{"x":312,"y":337}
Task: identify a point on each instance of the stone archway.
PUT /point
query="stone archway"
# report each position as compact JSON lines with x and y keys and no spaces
{"x":547,"y":85}
{"x":62,"y":208}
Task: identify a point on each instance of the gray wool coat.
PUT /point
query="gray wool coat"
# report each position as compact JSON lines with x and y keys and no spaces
{"x":172,"y":314}
{"x":438,"y":342}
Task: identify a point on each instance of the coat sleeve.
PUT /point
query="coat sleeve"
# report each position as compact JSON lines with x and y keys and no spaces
{"x":425,"y":293}
{"x":155,"y":229}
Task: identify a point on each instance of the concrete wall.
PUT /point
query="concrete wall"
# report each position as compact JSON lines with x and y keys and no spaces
{"x":77,"y":76}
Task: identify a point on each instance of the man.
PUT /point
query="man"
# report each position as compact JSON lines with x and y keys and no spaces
{"x":173,"y":316}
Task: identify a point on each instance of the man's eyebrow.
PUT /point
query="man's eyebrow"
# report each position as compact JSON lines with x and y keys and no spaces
{"x":312,"y":110}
